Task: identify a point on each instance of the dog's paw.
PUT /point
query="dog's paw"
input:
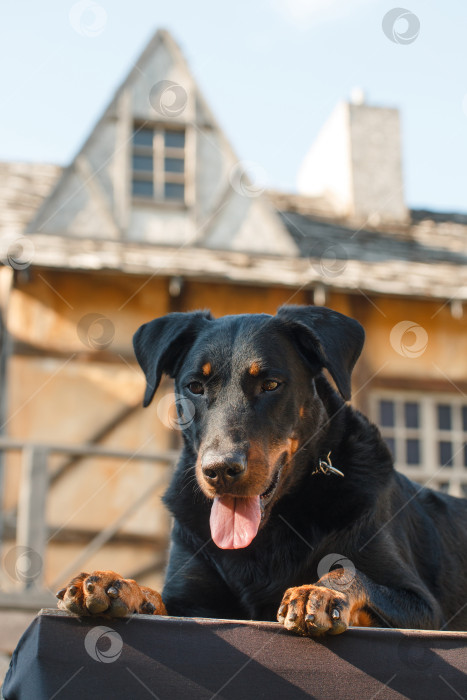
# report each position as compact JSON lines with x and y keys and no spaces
{"x":107,"y":593}
{"x":314,"y":610}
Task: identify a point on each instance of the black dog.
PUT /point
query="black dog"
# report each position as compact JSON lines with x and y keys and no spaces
{"x":285,"y":497}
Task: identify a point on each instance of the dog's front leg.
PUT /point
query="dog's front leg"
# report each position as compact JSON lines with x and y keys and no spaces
{"x":344,"y":598}
{"x":323,"y":607}
{"x":109,"y":594}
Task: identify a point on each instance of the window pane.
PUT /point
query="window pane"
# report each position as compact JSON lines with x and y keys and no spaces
{"x":174,"y":165}
{"x":464,"y":418}
{"x":464,"y":490}
{"x":465,"y":454}
{"x":142,"y":163}
{"x":443,"y":486}
{"x":445,"y":453}
{"x":174,"y":190}
{"x":411,"y":411}
{"x":174,"y":139}
{"x":386,"y":413}
{"x":143,"y":188}
{"x":412,"y":447}
{"x":444,"y":417}
{"x":391,"y":443}
{"x":143,"y":137}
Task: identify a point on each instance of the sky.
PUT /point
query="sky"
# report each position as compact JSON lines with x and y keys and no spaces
{"x":272,"y":72}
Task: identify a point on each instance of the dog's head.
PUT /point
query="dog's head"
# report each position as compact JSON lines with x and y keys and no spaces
{"x":248,"y":381}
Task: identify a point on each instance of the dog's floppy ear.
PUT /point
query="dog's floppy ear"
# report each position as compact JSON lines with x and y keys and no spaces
{"x":326,"y":338}
{"x":161,"y":344}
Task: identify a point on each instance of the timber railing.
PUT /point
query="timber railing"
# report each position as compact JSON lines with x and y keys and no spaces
{"x":24,"y":531}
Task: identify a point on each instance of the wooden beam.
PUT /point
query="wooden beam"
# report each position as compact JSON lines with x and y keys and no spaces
{"x":437,"y":280}
{"x":166,"y":456}
{"x":81,"y":536}
{"x":427,"y":385}
{"x":25,"y":349}
{"x":30,"y":600}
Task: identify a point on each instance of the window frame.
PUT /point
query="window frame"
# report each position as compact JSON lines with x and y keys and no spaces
{"x":159,"y":176}
{"x":451,"y":479}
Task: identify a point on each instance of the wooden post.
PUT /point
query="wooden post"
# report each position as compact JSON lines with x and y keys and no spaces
{"x":31,"y":525}
{"x":6,"y":283}
{"x":4,"y":352}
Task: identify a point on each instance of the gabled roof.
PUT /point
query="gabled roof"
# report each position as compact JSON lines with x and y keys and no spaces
{"x":83,"y":217}
{"x":92,"y":198}
{"x":23,"y":187}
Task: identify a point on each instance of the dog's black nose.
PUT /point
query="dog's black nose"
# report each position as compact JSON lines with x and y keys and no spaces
{"x":223,"y":470}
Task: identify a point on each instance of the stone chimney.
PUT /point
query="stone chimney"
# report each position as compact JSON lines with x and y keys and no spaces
{"x":356,"y":163}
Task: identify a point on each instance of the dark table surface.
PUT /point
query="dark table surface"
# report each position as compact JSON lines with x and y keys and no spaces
{"x":60,"y":656}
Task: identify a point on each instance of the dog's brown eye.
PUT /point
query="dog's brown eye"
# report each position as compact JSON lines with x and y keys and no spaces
{"x":269,"y":385}
{"x":196,"y":388}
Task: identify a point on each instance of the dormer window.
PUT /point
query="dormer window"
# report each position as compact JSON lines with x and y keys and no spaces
{"x":158,"y":164}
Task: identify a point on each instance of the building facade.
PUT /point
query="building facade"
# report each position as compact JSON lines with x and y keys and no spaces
{"x":157,"y":214}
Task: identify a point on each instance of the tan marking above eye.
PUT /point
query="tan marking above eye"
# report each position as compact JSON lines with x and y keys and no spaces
{"x":254,"y":369}
{"x":293,"y":445}
{"x":301,"y":412}
{"x":206,"y":369}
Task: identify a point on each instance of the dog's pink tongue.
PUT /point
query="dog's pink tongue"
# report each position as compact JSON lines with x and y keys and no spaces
{"x":234,"y":521}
